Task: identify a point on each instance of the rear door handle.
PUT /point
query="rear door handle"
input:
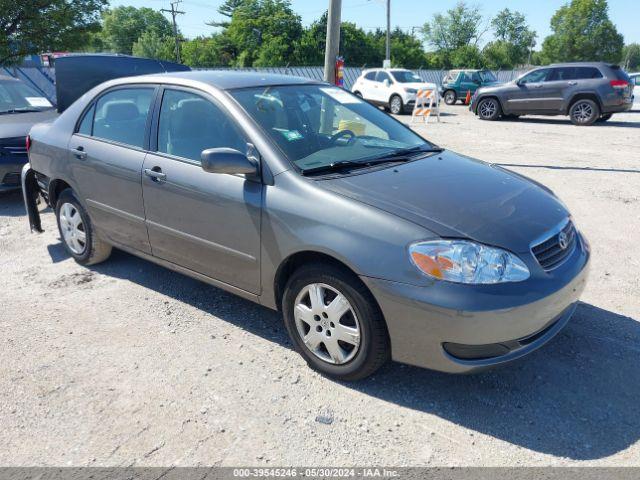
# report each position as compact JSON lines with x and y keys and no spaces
{"x":156,"y":174}
{"x":79,"y":153}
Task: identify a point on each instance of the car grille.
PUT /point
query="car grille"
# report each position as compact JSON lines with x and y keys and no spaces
{"x":13,"y":147}
{"x":552,"y":252}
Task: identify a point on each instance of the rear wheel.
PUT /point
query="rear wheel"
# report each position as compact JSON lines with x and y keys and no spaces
{"x":605,"y":117}
{"x":334,"y":322}
{"x":76,"y":230}
{"x":395,"y":105}
{"x":489,"y":109}
{"x":584,"y":112}
{"x":450,"y":97}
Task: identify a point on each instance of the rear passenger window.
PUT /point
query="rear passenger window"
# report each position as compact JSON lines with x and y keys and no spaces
{"x":371,"y":76}
{"x":121,"y":115}
{"x":189,"y":124}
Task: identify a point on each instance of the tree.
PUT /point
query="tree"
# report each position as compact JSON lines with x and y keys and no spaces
{"x":262,"y":32}
{"x":152,"y":45}
{"x":123,"y":26}
{"x":226,"y":10}
{"x":582,"y":30}
{"x":206,"y":52}
{"x":468,"y":56}
{"x":32,"y":27}
{"x":631,"y":57}
{"x":514,"y":41}
{"x":458,"y":27}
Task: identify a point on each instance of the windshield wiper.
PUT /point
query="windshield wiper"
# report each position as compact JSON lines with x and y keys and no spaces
{"x":20,"y":110}
{"x":398,"y":156}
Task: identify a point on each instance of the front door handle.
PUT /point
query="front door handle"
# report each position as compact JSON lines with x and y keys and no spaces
{"x":79,"y":153}
{"x":572,"y":83}
{"x":156,"y":174}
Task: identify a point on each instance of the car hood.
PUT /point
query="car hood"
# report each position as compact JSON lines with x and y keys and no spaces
{"x":459,"y":197}
{"x":19,"y":124}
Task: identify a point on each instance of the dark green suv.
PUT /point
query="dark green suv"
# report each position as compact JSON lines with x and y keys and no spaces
{"x":458,"y":82}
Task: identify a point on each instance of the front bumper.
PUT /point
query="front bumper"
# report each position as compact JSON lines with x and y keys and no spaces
{"x":441,"y":327}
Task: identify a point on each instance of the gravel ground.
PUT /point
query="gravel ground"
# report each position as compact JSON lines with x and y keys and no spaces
{"x":127,"y":363}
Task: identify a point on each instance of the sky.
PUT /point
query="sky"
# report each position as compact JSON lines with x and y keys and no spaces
{"x":407,"y":14}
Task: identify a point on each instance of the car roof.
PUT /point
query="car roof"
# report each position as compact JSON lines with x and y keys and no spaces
{"x":581,"y":64}
{"x":227,"y":80}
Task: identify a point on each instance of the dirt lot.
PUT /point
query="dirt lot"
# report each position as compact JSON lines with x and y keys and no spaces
{"x":126,"y":363}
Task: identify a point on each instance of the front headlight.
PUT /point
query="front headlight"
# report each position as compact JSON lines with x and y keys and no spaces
{"x":463,"y":261}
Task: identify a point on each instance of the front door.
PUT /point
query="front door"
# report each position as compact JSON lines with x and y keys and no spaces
{"x":106,"y":154}
{"x":383,"y":92}
{"x":530,"y":94}
{"x":206,"y":222}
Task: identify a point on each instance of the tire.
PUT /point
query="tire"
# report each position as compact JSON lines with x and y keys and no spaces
{"x":77,"y":233}
{"x":360,"y":355}
{"x":605,"y":117}
{"x":450,"y":97}
{"x":396,"y":107}
{"x":584,"y":112}
{"x":489,"y":109}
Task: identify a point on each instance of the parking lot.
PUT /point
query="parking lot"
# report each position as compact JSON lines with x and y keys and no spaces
{"x":127,"y":363}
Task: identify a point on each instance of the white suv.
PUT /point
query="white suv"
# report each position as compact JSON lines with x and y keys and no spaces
{"x":392,"y":88}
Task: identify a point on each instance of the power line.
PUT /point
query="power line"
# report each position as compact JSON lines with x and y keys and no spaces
{"x":173,"y":13}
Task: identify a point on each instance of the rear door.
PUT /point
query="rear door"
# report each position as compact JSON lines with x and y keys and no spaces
{"x":206,"y":222}
{"x":106,"y":155}
{"x":369,"y":85}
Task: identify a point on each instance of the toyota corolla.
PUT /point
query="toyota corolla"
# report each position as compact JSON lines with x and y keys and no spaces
{"x":373,"y":242}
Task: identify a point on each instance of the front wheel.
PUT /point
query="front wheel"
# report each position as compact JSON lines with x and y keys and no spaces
{"x":584,"y":112}
{"x":450,"y":97}
{"x":489,"y":109}
{"x":334,"y":322}
{"x":395,"y":105}
{"x":76,"y":230}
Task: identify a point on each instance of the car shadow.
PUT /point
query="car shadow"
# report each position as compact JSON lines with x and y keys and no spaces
{"x":11,"y":203}
{"x":576,"y":397}
{"x":558,"y":121}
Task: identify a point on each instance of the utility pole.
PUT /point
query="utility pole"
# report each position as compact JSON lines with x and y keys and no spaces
{"x":173,"y":13}
{"x":333,"y":40}
{"x":387,"y":59}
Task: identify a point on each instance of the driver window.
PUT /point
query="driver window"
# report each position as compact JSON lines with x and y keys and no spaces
{"x":536,"y":76}
{"x":189,"y":124}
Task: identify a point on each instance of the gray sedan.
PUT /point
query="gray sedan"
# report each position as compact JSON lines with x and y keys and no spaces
{"x":373,"y":242}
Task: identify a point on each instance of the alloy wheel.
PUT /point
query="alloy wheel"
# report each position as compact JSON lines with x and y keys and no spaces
{"x":396,"y":105}
{"x":488,"y":108}
{"x":582,"y":112}
{"x":72,"y":227}
{"x":450,"y":98}
{"x":327,"y":323}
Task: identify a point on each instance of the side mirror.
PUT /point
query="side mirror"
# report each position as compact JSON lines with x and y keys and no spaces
{"x":227,"y":160}
{"x":386,"y":82}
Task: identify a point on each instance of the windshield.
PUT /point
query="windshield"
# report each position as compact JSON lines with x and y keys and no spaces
{"x":16,"y":96}
{"x":487,"y":76}
{"x":319,"y":125}
{"x":405,"y":76}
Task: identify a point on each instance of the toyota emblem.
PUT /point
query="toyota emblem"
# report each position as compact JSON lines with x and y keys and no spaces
{"x":563,"y":241}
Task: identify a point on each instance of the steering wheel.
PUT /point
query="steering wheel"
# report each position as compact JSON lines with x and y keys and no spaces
{"x":343,"y":133}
